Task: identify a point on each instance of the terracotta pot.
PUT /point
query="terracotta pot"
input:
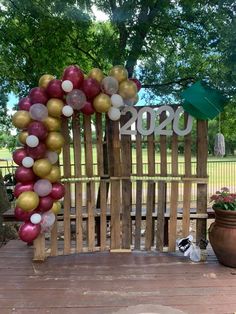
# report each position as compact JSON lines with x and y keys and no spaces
{"x":222,"y":236}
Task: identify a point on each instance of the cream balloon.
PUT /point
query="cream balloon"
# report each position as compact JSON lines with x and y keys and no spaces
{"x":32,"y":141}
{"x":27,"y":162}
{"x":67,"y":111}
{"x":35,"y":219}
{"x":114,"y":114}
{"x":67,"y":86}
{"x":117,"y":101}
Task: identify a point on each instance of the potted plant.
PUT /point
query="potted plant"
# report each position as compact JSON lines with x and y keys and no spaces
{"x":222,"y":232}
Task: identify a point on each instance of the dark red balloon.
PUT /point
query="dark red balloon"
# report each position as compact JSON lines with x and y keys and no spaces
{"x":137,"y":82}
{"x":22,"y":215}
{"x":24,"y":104}
{"x":58,"y":191}
{"x":73,"y":74}
{"x":54,"y":89}
{"x":91,"y":88}
{"x":23,"y":174}
{"x":88,"y":108}
{"x":18,"y":155}
{"x":28,"y":232}
{"x":38,"y":95}
{"x":37,"y":152}
{"x":38,"y":129}
{"x":45,"y":203}
{"x":23,"y":187}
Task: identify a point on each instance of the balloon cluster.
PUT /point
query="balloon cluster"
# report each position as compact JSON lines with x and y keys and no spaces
{"x":38,"y":189}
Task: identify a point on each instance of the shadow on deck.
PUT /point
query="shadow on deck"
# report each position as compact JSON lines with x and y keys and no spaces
{"x":122,"y":283}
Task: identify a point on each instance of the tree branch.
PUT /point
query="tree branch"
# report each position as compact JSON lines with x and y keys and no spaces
{"x":180,"y":81}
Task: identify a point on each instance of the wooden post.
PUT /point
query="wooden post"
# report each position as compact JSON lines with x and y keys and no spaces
{"x":39,"y":248}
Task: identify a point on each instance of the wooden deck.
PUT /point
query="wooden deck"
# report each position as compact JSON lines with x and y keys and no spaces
{"x":119,"y":283}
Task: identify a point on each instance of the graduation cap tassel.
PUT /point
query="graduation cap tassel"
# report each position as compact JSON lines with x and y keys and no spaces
{"x":219,"y":147}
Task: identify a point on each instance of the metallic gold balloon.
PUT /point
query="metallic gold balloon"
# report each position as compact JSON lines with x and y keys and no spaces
{"x":22,"y":137}
{"x":119,"y":72}
{"x":96,"y":74}
{"x":128,"y":89}
{"x":54,"y":141}
{"x":55,"y":106}
{"x":28,"y":200}
{"x":102,"y":103}
{"x":21,"y":119}
{"x":54,"y":174}
{"x":56,"y":207}
{"x":52,"y":124}
{"x":42,"y":167}
{"x":45,"y":79}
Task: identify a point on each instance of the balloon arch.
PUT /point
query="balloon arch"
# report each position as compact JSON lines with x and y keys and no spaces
{"x":38,"y":189}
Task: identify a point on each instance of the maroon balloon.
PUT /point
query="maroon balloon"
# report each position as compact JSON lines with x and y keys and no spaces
{"x":23,"y":174}
{"x":73,"y":74}
{"x":91,"y":88}
{"x":18,"y":155}
{"x":38,"y":129}
{"x":45,"y":203}
{"x":58,"y":191}
{"x":54,"y":89}
{"x":28,"y":232}
{"x":88,"y":108}
{"x":137,"y":82}
{"x":23,"y":187}
{"x":24,"y":104}
{"x":22,"y":215}
{"x":38,"y":95}
{"x":37,"y":152}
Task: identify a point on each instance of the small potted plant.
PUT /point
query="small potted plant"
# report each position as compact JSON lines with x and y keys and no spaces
{"x":222,"y":232}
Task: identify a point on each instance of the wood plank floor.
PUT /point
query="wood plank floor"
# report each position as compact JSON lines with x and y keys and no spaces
{"x":103,"y":283}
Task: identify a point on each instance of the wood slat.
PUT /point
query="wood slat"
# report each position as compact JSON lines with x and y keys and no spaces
{"x":202,"y":151}
{"x":39,"y":248}
{"x":53,"y":239}
{"x":90,"y":186}
{"x":188,"y":184}
{"x":67,"y":197}
{"x":76,"y":128}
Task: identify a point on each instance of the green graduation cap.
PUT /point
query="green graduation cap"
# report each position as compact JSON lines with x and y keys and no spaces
{"x":203,"y":102}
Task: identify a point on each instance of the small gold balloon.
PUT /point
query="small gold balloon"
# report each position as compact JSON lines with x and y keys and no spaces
{"x":28,"y":201}
{"x":42,"y":167}
{"x":102,"y":103}
{"x":96,"y":74}
{"x":22,"y":137}
{"x":119,"y":72}
{"x":54,"y":141}
{"x":55,"y":106}
{"x":54,"y":174}
{"x":21,"y":119}
{"x":128,"y":89}
{"x":45,"y":79}
{"x":56,"y":207}
{"x":52,"y":124}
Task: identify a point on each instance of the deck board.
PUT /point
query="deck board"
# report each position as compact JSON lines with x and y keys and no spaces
{"x":106,"y":282}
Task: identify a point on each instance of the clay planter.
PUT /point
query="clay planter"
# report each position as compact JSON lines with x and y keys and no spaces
{"x":222,"y":236}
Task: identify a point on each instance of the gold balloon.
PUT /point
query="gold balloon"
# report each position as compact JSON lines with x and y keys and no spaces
{"x":45,"y":79}
{"x":21,"y":119}
{"x":22,"y":137}
{"x":42,"y":167}
{"x":96,"y":74}
{"x":28,"y":201}
{"x":54,"y":141}
{"x":128,"y":89}
{"x":56,"y":207}
{"x":55,"y":106}
{"x":54,"y":174}
{"x":119,"y":72}
{"x":52,"y":124}
{"x":102,"y":103}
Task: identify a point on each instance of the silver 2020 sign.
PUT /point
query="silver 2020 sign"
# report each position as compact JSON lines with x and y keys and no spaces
{"x":172,"y":119}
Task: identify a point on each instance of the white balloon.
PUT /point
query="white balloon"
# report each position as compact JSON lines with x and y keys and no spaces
{"x":114,"y":114}
{"x":35,"y":218}
{"x":43,"y":187}
{"x":52,"y":156}
{"x":67,"y":86}
{"x":67,"y":111}
{"x":32,"y":141}
{"x":117,"y":101}
{"x":27,"y":162}
{"x":38,"y":112}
